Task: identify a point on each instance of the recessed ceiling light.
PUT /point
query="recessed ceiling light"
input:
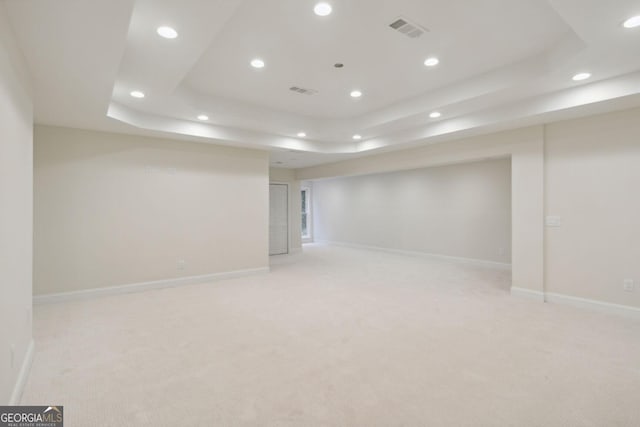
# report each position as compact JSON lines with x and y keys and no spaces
{"x":322,"y":9}
{"x":355,"y":94}
{"x":203,"y":117}
{"x":632,"y":22}
{"x":301,"y":134}
{"x":257,"y":63}
{"x":137,"y":94}
{"x":435,"y":114}
{"x":357,"y":137}
{"x":431,"y":62}
{"x":581,"y":76}
{"x":167,"y":32}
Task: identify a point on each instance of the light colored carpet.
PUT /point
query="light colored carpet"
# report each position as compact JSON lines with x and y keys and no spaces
{"x":337,"y":337}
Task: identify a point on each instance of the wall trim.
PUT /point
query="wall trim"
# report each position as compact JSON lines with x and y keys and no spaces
{"x":484,"y":263}
{"x":23,"y":375}
{"x":143,"y":286}
{"x":602,"y":306}
{"x":527,"y":293}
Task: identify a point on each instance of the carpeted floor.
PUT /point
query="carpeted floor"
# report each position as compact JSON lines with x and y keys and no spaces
{"x":337,"y":337}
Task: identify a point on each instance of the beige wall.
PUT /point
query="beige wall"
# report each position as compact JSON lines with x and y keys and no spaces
{"x":113,"y":209}
{"x":592,"y":172}
{"x":16,"y":191}
{"x":287,"y":176}
{"x":585,"y":171}
{"x":461,"y":210}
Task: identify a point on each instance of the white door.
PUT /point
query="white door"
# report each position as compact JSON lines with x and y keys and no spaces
{"x":278,"y":219}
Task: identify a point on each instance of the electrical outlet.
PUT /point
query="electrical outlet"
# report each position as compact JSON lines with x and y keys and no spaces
{"x":181,"y":264}
{"x":628,"y":285}
{"x":552,"y":221}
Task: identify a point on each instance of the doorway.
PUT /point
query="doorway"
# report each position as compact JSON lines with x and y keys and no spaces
{"x":278,"y":219}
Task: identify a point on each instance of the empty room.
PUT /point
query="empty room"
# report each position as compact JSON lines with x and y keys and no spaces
{"x":319,"y":213}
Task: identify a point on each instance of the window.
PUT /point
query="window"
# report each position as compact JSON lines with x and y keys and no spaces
{"x":306,"y":213}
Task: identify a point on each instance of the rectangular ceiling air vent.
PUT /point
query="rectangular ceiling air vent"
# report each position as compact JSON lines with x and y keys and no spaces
{"x":408,"y":28}
{"x":303,"y":90}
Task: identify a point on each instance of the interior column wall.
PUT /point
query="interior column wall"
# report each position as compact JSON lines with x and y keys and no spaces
{"x":592,"y":172}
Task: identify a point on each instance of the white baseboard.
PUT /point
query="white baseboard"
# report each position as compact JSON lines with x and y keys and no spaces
{"x":554,"y":298}
{"x":605,"y":307}
{"x":144,"y":286}
{"x":494,"y":264}
{"x":23,"y":375}
{"x":527,"y":293}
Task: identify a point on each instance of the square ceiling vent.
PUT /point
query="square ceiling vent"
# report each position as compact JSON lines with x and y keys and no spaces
{"x":408,"y":28}
{"x":303,"y":90}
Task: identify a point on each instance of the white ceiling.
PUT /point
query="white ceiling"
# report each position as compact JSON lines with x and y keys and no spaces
{"x":503,"y":63}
